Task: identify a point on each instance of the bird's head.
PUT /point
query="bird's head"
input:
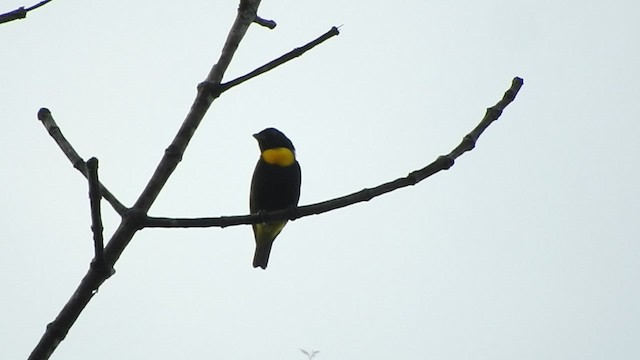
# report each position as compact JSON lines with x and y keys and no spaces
{"x":271,"y":138}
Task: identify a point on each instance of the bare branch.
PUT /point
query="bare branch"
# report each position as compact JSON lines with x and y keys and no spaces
{"x":281,"y":60}
{"x":247,"y":14}
{"x":443,"y":162}
{"x":492,"y":114}
{"x":96,"y":216}
{"x":133,"y":218}
{"x":41,"y":3}
{"x":20,"y":13}
{"x":49,"y":123}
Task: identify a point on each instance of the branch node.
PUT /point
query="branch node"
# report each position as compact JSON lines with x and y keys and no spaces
{"x":414,"y":177}
{"x":56,"y":331}
{"x":366,"y":194}
{"x":292,"y":213}
{"x":19,"y":13}
{"x":101,"y":268}
{"x":444,"y":162}
{"x":248,"y":10}
{"x":469,"y":142}
{"x":174,"y":152}
{"x":494,"y":112}
{"x":211,"y":89}
{"x":136,"y":218}
{"x":224,"y":222}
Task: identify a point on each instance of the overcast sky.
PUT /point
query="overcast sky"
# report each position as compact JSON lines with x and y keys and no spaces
{"x":527,"y":248}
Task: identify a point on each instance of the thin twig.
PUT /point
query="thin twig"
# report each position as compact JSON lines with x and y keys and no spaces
{"x":49,"y":123}
{"x":20,"y":13}
{"x":41,"y":3}
{"x":264,"y":22}
{"x":441,"y":163}
{"x":492,"y":114}
{"x":281,"y":60}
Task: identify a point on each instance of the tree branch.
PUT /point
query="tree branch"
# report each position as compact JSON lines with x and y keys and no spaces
{"x":443,"y":162}
{"x":492,"y":114}
{"x":133,"y":218}
{"x":49,"y":123}
{"x":20,"y":13}
{"x":96,"y":216}
{"x":281,"y":60}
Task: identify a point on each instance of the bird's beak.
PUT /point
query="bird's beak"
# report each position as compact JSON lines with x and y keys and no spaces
{"x":256,"y":136}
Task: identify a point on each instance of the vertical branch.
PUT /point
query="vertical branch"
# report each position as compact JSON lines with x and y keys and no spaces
{"x":96,"y":216}
{"x":247,"y":14}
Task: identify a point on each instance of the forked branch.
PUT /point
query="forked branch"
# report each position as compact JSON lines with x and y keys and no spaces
{"x":49,"y":123}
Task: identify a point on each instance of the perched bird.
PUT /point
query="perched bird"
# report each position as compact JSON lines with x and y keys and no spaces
{"x":275,"y":186}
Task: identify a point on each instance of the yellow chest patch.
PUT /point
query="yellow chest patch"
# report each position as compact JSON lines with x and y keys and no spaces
{"x":279,"y":156}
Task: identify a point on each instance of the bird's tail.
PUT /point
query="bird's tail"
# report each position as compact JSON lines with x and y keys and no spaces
{"x":265,"y":234}
{"x":261,"y":256}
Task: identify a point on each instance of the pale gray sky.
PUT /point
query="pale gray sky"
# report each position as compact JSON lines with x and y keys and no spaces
{"x":526,"y":249}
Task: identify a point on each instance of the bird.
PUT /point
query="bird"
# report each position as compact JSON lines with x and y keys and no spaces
{"x":275,"y":185}
{"x":310,"y":355}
